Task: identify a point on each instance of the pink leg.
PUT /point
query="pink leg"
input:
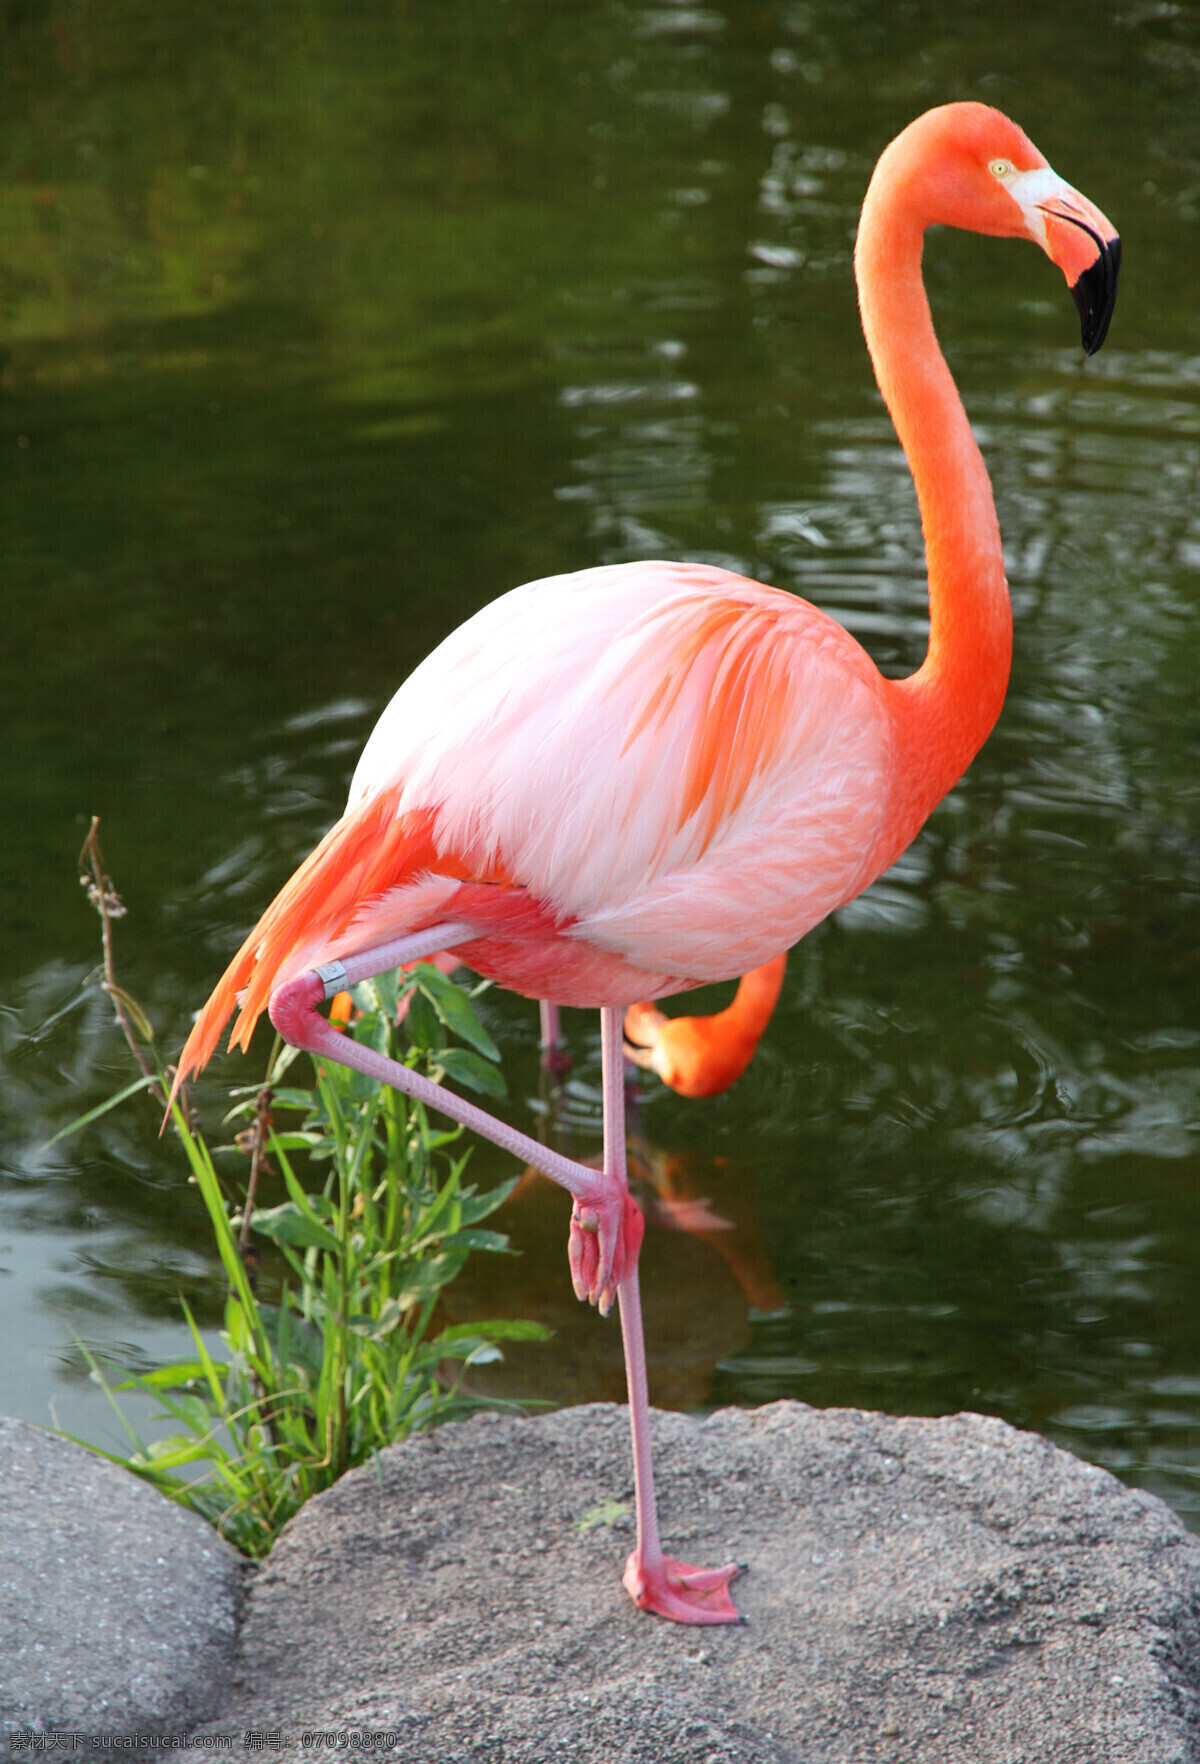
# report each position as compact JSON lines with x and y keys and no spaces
{"x":555,"y":1057}
{"x":601,"y":1208}
{"x":606,"y":1230}
{"x":653,"y":1580}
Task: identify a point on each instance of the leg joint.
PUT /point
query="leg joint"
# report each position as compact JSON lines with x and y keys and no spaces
{"x":292,"y":1006}
{"x":332,"y":976}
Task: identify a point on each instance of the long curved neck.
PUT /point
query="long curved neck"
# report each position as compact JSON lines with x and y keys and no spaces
{"x":943,"y":713}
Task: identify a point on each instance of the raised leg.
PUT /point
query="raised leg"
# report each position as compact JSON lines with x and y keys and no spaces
{"x":602,"y":1208}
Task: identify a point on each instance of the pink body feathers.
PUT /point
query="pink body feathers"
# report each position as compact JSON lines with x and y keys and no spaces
{"x":701,"y":740}
{"x":697,"y":735}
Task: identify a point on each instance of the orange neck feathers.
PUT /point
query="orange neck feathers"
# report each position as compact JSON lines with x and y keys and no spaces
{"x":701,"y":1056}
{"x":945,"y":711}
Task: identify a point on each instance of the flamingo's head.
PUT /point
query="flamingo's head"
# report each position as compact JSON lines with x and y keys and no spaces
{"x":969,"y":166}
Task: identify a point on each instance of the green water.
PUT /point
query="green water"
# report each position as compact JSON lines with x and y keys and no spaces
{"x":324,"y":325}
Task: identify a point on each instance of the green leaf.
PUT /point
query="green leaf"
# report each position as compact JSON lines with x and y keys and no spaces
{"x":141,"y":1021}
{"x":387,"y":993}
{"x":473,"y":1348}
{"x":469,"y":1069}
{"x":435,"y":1138}
{"x":500,"y":1329}
{"x":496,"y":1241}
{"x":235,"y":1322}
{"x":606,"y":1512}
{"x":389,"y":1318}
{"x":193,"y":1411}
{"x":287,"y":1224}
{"x":479,"y":1206}
{"x":421,"y":1025}
{"x":174,"y":1448}
{"x":291,"y":1098}
{"x":304,"y":1203}
{"x":213,"y":1372}
{"x":200,"y":1159}
{"x":101,"y":1109}
{"x":239,"y":1112}
{"x":373,"y":1030}
{"x":173,"y":1377}
{"x":443,"y":1215}
{"x":282,"y":1057}
{"x":365,"y":994}
{"x":454,"y":1008}
{"x":426,"y":1279}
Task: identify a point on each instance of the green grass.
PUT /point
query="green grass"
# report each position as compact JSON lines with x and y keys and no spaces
{"x":349,"y":1359}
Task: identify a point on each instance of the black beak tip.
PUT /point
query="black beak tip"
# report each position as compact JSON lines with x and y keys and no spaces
{"x":1095,"y":294}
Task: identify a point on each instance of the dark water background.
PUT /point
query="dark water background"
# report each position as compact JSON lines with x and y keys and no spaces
{"x":322,"y":325}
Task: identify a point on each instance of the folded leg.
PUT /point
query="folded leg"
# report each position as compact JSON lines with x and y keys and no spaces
{"x":600,"y":1202}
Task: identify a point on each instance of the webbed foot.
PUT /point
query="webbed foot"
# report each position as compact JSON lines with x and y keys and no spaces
{"x":682,"y":1593}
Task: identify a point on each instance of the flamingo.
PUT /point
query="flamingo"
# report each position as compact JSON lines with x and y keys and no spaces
{"x":610,"y":786}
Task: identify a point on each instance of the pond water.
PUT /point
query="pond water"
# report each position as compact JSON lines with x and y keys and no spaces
{"x":322,"y":326}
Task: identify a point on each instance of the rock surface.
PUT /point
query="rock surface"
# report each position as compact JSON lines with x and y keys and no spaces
{"x":118,"y":1610}
{"x":918,"y":1590}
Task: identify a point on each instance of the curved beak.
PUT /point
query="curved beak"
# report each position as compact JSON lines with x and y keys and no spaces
{"x":1082,"y":242}
{"x":1087,"y":249}
{"x":1095,"y":293}
{"x":1079,"y":239}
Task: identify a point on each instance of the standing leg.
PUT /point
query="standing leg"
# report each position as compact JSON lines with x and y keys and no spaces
{"x":555,"y":1058}
{"x":652,"y":1580}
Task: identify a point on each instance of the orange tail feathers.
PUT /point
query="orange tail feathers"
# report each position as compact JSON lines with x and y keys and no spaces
{"x":201,"y":1044}
{"x":367,"y":852}
{"x":701,"y":1056}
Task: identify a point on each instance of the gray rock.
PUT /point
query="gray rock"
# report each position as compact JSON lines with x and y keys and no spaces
{"x":118,"y":1609}
{"x":917,"y":1590}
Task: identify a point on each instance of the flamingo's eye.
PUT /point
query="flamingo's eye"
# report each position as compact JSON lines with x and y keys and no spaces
{"x":1000,"y":168}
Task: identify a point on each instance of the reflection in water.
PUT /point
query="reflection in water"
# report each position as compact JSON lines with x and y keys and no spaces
{"x":681,"y":1191}
{"x":704,"y":1267}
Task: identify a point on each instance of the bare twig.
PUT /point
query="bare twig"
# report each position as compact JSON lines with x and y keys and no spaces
{"x":109,"y":905}
{"x":257,"y":1137}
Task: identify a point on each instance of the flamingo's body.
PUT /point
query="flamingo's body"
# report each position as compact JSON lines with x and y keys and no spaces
{"x":618,"y":784}
{"x":748,"y":740}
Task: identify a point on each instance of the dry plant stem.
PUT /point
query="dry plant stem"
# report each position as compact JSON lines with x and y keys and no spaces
{"x":109,"y":905}
{"x":262,"y":1127}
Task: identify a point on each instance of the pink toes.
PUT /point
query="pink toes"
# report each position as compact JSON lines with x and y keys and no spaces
{"x":606,"y":1236}
{"x":682,"y":1593}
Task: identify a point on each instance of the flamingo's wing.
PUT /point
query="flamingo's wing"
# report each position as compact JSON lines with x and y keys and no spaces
{"x":679,"y":767}
{"x":687,"y":766}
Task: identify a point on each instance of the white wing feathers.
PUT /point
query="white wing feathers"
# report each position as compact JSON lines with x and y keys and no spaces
{"x":640,"y":744}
